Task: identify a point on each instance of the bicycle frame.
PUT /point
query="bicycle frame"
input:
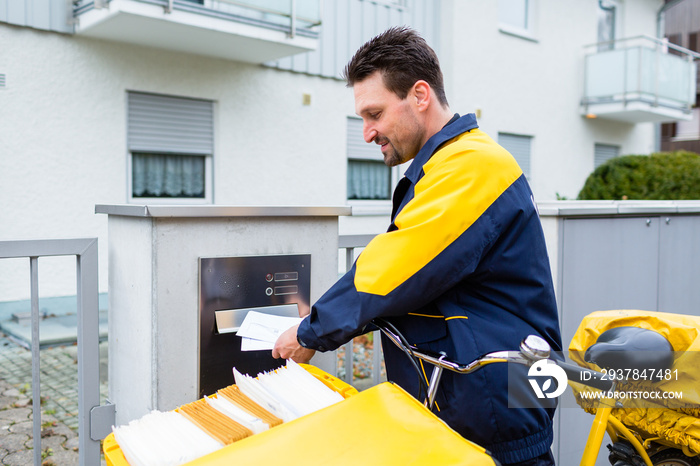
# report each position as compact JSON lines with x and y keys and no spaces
{"x":602,"y":423}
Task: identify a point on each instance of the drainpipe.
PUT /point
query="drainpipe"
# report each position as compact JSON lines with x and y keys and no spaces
{"x":612,"y":9}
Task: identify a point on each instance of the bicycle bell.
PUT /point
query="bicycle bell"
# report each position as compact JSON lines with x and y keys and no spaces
{"x":534,"y":348}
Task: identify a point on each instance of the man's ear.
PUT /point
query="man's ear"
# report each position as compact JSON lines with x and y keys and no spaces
{"x":422,"y":94}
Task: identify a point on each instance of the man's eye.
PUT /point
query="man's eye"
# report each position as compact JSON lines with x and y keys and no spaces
{"x":374,"y":116}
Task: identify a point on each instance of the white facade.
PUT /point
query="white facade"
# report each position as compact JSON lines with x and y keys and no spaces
{"x":532,"y":86}
{"x":64,"y":111}
{"x":63,"y":116}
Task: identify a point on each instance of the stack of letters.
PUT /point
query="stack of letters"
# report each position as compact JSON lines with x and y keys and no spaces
{"x":251,"y":406}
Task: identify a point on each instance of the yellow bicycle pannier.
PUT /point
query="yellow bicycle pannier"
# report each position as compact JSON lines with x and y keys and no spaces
{"x":675,"y":420}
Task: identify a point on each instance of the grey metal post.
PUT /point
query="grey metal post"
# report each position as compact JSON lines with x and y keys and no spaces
{"x":349,"y":346}
{"x":349,"y":243}
{"x":624,"y":78}
{"x":377,"y":357}
{"x":36,"y":380}
{"x":657,"y":57}
{"x":693,"y":77}
{"x":88,"y":353}
{"x":586,"y":97}
{"x":293,"y":22}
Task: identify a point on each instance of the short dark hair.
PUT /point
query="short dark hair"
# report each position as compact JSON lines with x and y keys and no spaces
{"x":403,"y":57}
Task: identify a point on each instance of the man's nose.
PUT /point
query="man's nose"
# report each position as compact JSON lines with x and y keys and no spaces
{"x":368,"y":132}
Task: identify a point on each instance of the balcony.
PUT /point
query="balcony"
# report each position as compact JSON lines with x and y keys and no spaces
{"x":640,"y":79}
{"x":247,"y":31}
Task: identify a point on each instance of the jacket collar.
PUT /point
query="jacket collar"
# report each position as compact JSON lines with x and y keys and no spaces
{"x":456,"y":126}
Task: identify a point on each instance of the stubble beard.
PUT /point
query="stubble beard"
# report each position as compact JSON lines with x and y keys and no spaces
{"x":392,"y":158}
{"x":411,"y":144}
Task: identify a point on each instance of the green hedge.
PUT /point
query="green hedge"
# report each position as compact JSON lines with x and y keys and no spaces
{"x":663,"y":175}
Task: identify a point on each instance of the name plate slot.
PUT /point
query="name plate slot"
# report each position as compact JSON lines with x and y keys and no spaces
{"x":230,"y":320}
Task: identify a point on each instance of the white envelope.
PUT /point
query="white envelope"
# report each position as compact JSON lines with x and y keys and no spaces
{"x":260,"y":331}
{"x":248,"y":344}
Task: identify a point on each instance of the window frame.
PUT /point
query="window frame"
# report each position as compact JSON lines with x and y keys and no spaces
{"x":208,"y":160}
{"x":531,"y":138}
{"x":371,"y":206}
{"x":681,"y":130}
{"x":529,"y":31}
{"x":596,"y":145}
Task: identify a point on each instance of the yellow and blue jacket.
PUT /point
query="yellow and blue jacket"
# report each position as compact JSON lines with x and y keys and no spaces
{"x":463,"y":268}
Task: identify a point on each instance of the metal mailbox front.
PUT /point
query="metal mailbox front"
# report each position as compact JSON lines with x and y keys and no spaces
{"x":230,"y":287}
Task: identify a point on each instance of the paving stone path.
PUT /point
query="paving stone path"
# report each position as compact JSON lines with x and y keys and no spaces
{"x":59,"y":382}
{"x":59,"y":443}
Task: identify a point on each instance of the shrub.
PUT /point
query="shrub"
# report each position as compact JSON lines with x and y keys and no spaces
{"x":663,"y":175}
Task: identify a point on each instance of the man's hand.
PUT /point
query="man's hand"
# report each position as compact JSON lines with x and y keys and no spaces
{"x":288,"y":347}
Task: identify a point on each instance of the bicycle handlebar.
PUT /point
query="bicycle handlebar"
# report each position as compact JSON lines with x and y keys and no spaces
{"x":532,"y":349}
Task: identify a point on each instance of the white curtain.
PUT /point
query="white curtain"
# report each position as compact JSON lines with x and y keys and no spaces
{"x":368,"y":180}
{"x":158,"y":175}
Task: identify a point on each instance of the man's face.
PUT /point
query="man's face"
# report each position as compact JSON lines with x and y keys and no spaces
{"x":388,"y":120}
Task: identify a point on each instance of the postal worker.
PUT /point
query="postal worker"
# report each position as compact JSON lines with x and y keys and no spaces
{"x":463,"y":266}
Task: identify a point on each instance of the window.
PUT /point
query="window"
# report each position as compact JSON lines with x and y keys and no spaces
{"x":520,"y":147}
{"x":688,"y":130}
{"x":368,"y":177}
{"x":516,"y":17}
{"x":675,"y":39}
{"x":167,"y":175}
{"x":170,"y":141}
{"x":693,"y":42}
{"x":603,"y":153}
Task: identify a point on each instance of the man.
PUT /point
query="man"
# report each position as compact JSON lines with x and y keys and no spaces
{"x":463,"y":267}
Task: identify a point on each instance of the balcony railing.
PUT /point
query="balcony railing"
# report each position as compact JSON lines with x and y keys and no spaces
{"x":291,"y":16}
{"x":250,"y":31}
{"x":639,"y":79}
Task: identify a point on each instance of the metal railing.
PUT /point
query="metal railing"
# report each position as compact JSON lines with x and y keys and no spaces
{"x":640,"y":68}
{"x":292,"y":16}
{"x":350,"y":243}
{"x":304,"y":13}
{"x":94,"y":421}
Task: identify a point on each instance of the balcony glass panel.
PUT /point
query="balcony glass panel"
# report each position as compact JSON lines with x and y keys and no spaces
{"x":307,"y":12}
{"x":605,"y":74}
{"x":647,"y":73}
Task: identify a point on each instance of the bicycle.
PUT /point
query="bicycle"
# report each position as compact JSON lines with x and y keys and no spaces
{"x":629,"y":447}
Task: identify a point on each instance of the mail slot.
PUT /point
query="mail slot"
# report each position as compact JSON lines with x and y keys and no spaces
{"x":229,"y":288}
